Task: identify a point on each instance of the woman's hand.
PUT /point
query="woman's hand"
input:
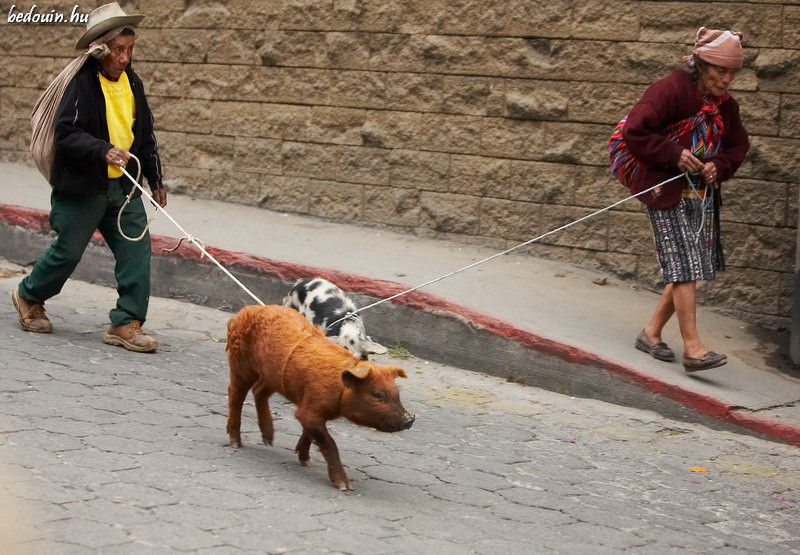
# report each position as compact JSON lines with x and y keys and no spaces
{"x":689,"y":163}
{"x":709,"y":173}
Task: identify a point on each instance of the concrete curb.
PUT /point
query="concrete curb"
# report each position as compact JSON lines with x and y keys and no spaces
{"x":433,"y":328}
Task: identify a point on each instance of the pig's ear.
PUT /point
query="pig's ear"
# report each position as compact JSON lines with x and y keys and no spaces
{"x":397,"y":371}
{"x":354,"y":375}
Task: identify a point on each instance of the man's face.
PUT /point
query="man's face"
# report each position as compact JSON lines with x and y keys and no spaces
{"x":121,"y":52}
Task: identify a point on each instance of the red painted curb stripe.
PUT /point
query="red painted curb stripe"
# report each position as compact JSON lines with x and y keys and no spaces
{"x":789,"y":433}
{"x":25,"y":217}
{"x":287,"y":271}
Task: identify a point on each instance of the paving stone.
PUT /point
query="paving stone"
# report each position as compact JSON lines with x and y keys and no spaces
{"x":532,"y":515}
{"x":132,"y":431}
{"x":420,"y":544}
{"x":29,"y":456}
{"x":109,"y":511}
{"x":603,"y":535}
{"x":51,"y":546}
{"x":204,"y":518}
{"x":474,"y":479}
{"x":164,"y":479}
{"x":541,"y":498}
{"x":133,"y":548}
{"x":398,"y":475}
{"x":458,"y":531}
{"x":679,"y":538}
{"x":376,"y":527}
{"x":119,"y":445}
{"x":215,"y":498}
{"x":170,"y":535}
{"x":335,"y":540}
{"x":135,"y":494}
{"x":95,"y":416}
{"x":42,"y":490}
{"x":70,"y":475}
{"x":90,"y":534}
{"x":99,"y":460}
{"x":15,"y":424}
{"x":474,"y":497}
{"x":45,"y":511}
{"x":53,"y":442}
{"x":60,"y":387}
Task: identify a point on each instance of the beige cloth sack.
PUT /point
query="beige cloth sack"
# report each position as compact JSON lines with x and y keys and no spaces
{"x":43,"y":117}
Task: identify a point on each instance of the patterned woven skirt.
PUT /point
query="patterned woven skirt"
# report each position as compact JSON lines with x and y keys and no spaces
{"x":687,"y":237}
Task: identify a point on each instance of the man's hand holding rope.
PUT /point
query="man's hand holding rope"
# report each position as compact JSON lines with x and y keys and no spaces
{"x":120,"y":157}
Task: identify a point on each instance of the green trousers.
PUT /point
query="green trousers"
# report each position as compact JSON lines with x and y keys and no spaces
{"x":75,"y":217}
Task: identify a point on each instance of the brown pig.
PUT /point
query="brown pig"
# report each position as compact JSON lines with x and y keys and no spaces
{"x":274,"y":349}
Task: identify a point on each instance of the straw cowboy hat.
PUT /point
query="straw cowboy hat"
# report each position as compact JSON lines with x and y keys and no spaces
{"x":105,"y":18}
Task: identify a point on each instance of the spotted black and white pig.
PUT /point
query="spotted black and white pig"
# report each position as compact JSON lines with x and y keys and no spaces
{"x":323,"y":303}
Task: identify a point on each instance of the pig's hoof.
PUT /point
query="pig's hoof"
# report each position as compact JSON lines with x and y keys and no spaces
{"x":236,"y":443}
{"x":305,"y":463}
{"x":266,"y":440}
{"x":343,"y":486}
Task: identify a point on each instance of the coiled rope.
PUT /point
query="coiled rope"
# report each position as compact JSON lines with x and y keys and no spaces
{"x":186,"y":236}
{"x":479,"y":262}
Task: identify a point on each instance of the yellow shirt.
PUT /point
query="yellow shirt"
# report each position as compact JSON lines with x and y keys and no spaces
{"x":120,"y":114}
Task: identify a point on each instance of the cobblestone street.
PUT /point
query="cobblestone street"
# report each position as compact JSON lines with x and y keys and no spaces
{"x":109,"y":451}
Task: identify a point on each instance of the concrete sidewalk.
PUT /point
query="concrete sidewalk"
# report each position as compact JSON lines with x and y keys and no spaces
{"x":543,"y":306}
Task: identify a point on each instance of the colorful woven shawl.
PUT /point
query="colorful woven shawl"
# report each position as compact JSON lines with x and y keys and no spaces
{"x":706,"y":127}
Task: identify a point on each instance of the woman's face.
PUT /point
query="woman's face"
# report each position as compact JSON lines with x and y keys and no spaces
{"x":714,"y":80}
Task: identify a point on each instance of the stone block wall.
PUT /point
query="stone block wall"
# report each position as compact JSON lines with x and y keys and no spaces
{"x":484,"y":121}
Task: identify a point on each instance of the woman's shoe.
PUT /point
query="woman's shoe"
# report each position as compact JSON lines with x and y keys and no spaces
{"x":659,"y":351}
{"x":706,"y":362}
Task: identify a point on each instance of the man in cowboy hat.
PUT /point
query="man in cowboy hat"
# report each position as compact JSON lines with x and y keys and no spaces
{"x":102,"y":120}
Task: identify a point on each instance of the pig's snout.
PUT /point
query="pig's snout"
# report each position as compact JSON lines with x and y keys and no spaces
{"x":408,"y":421}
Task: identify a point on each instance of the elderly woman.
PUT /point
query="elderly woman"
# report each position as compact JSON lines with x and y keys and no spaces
{"x":687,"y":122}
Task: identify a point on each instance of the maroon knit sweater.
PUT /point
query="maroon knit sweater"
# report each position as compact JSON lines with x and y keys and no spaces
{"x":665,"y":102}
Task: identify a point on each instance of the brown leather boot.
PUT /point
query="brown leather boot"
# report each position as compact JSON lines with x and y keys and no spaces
{"x":31,"y":315}
{"x":131,"y":337}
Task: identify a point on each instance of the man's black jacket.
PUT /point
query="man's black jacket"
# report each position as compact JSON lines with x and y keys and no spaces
{"x":81,"y":136}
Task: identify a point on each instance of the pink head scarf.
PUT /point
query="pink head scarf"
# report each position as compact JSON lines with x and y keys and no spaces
{"x":721,"y":48}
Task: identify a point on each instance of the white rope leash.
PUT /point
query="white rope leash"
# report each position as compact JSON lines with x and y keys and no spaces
{"x":353,"y":314}
{"x":563,"y":227}
{"x":187,"y":236}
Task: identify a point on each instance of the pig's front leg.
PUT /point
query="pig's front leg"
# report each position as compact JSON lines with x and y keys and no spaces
{"x":314,"y":429}
{"x":329,"y":450}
